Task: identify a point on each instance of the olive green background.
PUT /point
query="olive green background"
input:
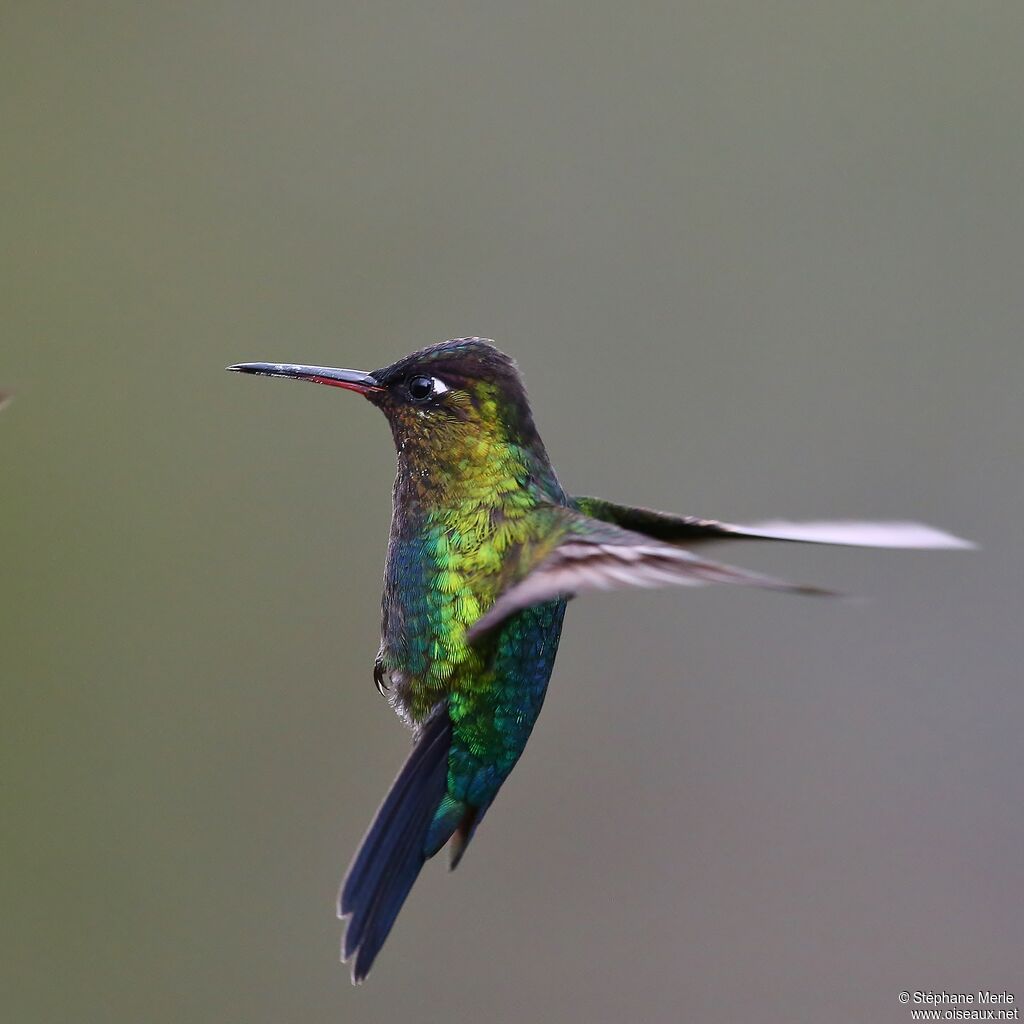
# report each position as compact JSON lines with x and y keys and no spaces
{"x":755,"y":259}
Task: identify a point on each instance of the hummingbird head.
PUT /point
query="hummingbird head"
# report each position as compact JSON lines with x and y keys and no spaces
{"x":451,"y":406}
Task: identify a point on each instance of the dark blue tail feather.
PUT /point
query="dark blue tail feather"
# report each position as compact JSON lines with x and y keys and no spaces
{"x":393,"y":850}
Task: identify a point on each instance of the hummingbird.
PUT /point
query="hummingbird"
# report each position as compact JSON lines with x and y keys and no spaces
{"x":485,"y":550}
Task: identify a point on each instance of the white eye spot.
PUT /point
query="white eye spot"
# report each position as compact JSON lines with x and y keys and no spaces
{"x":422,"y":388}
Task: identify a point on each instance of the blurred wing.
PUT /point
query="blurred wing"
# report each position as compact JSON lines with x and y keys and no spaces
{"x":853,"y":533}
{"x":690,"y":530}
{"x":595,"y":556}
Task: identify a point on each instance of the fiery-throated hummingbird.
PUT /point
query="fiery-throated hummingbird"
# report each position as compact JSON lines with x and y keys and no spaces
{"x":486,"y":548}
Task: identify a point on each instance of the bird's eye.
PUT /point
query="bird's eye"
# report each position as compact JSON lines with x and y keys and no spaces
{"x":422,"y":388}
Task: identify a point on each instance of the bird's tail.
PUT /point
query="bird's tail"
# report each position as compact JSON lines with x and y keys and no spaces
{"x":413,"y":823}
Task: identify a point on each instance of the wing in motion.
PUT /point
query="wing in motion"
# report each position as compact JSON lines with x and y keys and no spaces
{"x":593,"y":555}
{"x":599,"y":545}
{"x":690,"y":530}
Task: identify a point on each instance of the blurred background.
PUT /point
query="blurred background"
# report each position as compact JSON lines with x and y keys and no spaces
{"x":754,"y":259}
